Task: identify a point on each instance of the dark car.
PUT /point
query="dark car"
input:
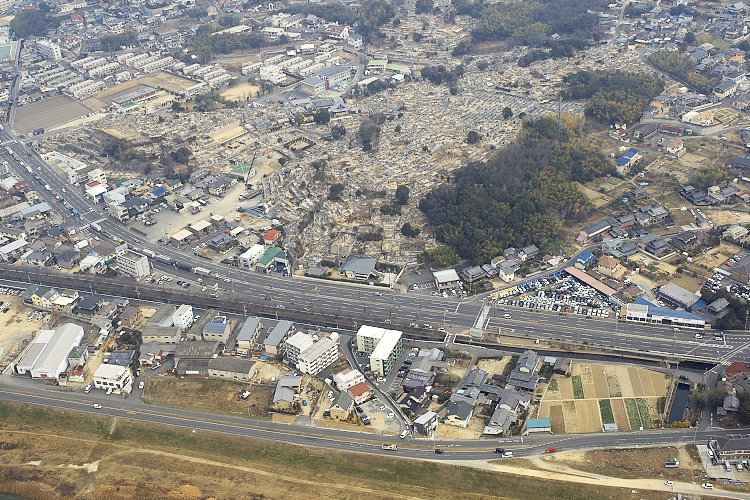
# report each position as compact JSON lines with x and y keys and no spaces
{"x":683,"y":377}
{"x":499,"y":450}
{"x":439,"y":451}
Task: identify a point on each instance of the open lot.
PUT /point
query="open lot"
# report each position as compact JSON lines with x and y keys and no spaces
{"x":49,"y":113}
{"x":240,"y":92}
{"x":633,"y":463}
{"x":154,"y":461}
{"x":597,"y":394}
{"x":15,"y":326}
{"x":214,"y":395}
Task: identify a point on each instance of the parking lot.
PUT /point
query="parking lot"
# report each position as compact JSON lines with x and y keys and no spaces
{"x":722,"y":471}
{"x":559,"y":292}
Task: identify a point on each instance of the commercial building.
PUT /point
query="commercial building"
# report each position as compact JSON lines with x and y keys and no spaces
{"x":230,"y":368}
{"x":217,"y":329}
{"x":47,"y":356}
{"x":383,"y":346}
{"x":182,"y":318}
{"x":645,"y":312}
{"x":115,"y":377}
{"x":250,"y":257}
{"x":678,"y":296}
{"x":133,"y":264}
{"x":446,"y":280}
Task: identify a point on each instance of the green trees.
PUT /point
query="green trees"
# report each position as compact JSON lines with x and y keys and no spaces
{"x":440,"y":74}
{"x":423,"y":6}
{"x":682,"y":67}
{"x":473,"y":137}
{"x":322,"y":116}
{"x":521,"y":196}
{"x":111,"y":43}
{"x":439,"y":257}
{"x":507,"y":112}
{"x":29,"y":22}
{"x":613,"y":95}
{"x":402,"y":195}
{"x":409,"y":231}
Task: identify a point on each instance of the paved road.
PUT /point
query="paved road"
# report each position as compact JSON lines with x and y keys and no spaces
{"x":401,"y":308}
{"x":334,"y":439}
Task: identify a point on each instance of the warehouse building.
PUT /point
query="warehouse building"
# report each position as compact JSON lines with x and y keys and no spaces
{"x":47,"y":356}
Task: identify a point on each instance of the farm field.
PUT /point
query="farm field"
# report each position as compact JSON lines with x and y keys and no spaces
{"x":595,"y":394}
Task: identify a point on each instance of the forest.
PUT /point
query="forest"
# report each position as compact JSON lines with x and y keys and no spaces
{"x":30,"y":22}
{"x":614,"y":96}
{"x":368,"y":17}
{"x":522,"y":196}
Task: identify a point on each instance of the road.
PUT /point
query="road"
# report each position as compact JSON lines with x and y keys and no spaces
{"x":336,"y":439}
{"x":378,"y":303}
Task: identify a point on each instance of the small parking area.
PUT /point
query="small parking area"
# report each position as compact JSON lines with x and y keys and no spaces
{"x":559,"y":292}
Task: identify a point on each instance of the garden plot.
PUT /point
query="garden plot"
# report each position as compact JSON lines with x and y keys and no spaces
{"x":597,"y":394}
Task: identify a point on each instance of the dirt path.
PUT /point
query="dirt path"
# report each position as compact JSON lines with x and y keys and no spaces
{"x":559,"y":472}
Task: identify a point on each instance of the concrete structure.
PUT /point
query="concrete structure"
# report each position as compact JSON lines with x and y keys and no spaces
{"x":133,"y":264}
{"x":677,"y":295}
{"x":217,"y":329}
{"x":295,"y":344}
{"x":319,"y":356}
{"x":426,"y":423}
{"x":446,"y":280}
{"x":383,"y":346}
{"x":250,"y":257}
{"x":48,"y":50}
{"x":182,"y":318}
{"x":47,"y":356}
{"x":113,"y":377}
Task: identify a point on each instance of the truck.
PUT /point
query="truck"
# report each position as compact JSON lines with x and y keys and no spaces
{"x":202,"y":271}
{"x":164,"y":259}
{"x":148,"y":252}
{"x":250,"y":211}
{"x":389,"y":447}
{"x":75,"y":212}
{"x":672,"y":463}
{"x":96,"y":227}
{"x":48,"y":187}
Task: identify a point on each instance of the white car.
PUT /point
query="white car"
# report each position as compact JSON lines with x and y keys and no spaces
{"x":707,"y":486}
{"x":97,"y":406}
{"x":390,"y":415}
{"x":669,"y":483}
{"x":698,"y":336}
{"x":381,"y":407}
{"x":141,"y":385}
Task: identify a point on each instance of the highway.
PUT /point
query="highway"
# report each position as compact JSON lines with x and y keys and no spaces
{"x":400,"y":309}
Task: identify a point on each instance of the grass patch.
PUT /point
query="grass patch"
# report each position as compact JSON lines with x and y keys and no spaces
{"x":577,"y":387}
{"x":290,"y":463}
{"x":661,"y":404}
{"x":633,"y":414}
{"x":646,"y":420}
{"x":554,"y":386}
{"x":605,"y":407}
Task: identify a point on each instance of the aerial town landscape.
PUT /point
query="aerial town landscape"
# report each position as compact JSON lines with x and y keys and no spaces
{"x":375,"y":249}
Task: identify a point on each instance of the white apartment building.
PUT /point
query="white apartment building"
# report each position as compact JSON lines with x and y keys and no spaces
{"x":113,"y":377}
{"x":319,"y":356}
{"x":133,"y":264}
{"x":383,"y":346}
{"x":98,"y":175}
{"x":272,"y":73}
{"x":48,"y":50}
{"x":295,"y":344}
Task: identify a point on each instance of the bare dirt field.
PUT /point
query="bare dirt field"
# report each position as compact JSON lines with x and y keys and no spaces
{"x":473,"y":431}
{"x":220,"y":396}
{"x":15,"y":326}
{"x":49,"y":113}
{"x":716,"y":256}
{"x":493,"y":366}
{"x":632,"y":396}
{"x":167,"y":81}
{"x":240,"y":92}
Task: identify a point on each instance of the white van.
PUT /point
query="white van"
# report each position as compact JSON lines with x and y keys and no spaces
{"x":87,"y":389}
{"x":404,"y":433}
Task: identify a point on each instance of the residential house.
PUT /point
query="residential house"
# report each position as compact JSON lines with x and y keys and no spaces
{"x":342,"y":406}
{"x":286,"y":392}
{"x":359,"y":268}
{"x":458,"y":413}
{"x":607,"y":265}
{"x":360,"y":392}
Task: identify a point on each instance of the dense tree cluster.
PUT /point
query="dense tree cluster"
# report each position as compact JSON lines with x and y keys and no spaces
{"x":423,"y":6}
{"x":31,"y":22}
{"x":441,"y":74}
{"x":531,"y":22}
{"x":613,"y":95}
{"x":114,"y":42}
{"x":681,"y":67}
{"x":369,"y":17}
{"x":520,"y":197}
{"x":735,"y":318}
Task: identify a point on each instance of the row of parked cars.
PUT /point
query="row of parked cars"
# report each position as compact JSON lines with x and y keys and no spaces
{"x":566,"y":296}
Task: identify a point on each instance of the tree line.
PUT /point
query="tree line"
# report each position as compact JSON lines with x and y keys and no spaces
{"x":522,"y":196}
{"x":682,"y":68}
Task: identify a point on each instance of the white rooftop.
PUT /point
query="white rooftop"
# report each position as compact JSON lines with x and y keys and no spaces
{"x":446,"y":276}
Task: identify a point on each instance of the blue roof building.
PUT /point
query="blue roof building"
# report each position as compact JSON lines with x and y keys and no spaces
{"x":585,"y":260}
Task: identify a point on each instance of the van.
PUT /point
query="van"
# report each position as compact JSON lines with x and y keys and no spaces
{"x":87,"y":389}
{"x":727,"y":467}
{"x":403,"y":434}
